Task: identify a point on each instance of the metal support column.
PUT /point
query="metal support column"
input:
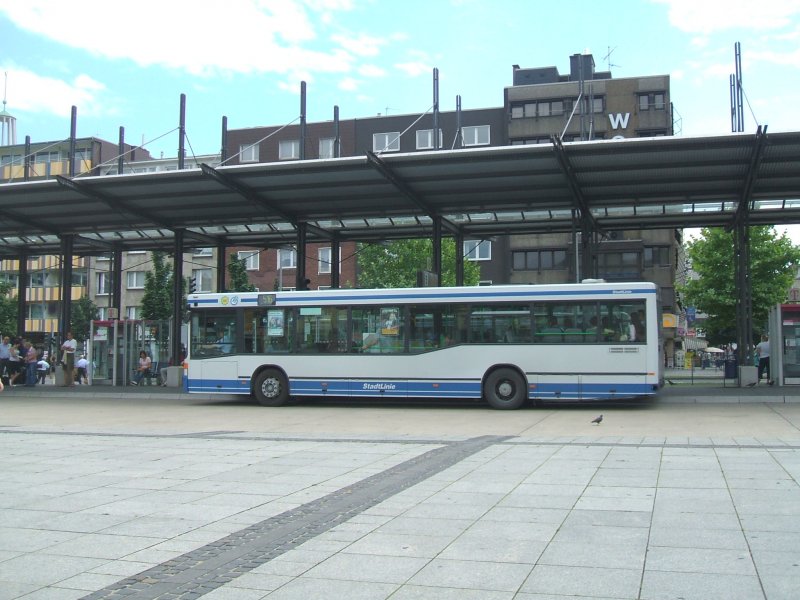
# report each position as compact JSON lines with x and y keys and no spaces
{"x":459,"y":259}
{"x":121,"y":151}
{"x":182,"y":135}
{"x":435,"y":109}
{"x":588,"y":254}
{"x":437,"y":248}
{"x":116,"y":281}
{"x":744,"y":297}
{"x":335,"y":262}
{"x":301,"y":282}
{"x":73,"y":132}
{"x":26,"y":174}
{"x":221,"y":262}
{"x":337,"y":136}
{"x":66,"y":285}
{"x":302,"y":148}
{"x":223,"y":151}
{"x":22,"y":287}
{"x":177,"y":296}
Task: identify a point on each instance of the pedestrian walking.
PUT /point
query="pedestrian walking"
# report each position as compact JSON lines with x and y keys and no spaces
{"x":5,"y":355}
{"x":42,"y":369}
{"x":31,"y":360}
{"x":82,"y":375}
{"x":762,"y":351}
{"x":68,"y":348}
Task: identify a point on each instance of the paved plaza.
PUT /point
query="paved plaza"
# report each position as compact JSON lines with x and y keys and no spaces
{"x":141,"y":494}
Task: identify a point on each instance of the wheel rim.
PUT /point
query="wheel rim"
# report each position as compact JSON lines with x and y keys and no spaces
{"x":271,"y":387}
{"x":505,"y":389}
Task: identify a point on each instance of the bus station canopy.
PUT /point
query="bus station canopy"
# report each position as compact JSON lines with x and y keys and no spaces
{"x":642,"y":183}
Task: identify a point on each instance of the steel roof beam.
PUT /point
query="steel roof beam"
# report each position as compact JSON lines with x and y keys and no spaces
{"x":113,"y":204}
{"x":392,"y":177}
{"x":579,"y":201}
{"x":259,"y":200}
{"x":743,"y":210}
{"x":29,"y":224}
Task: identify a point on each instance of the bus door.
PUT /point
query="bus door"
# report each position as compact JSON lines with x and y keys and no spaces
{"x":378,"y":334}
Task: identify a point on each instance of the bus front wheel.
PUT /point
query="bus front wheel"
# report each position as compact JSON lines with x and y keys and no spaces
{"x":505,"y":389}
{"x":271,"y":388}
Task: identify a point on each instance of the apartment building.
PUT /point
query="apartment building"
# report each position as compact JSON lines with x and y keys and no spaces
{"x":45,"y":160}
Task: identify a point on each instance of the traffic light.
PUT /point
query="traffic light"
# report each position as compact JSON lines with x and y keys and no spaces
{"x":192,"y":285}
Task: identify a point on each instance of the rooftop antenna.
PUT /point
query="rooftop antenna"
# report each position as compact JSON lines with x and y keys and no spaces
{"x":5,"y":90}
{"x":607,"y":58}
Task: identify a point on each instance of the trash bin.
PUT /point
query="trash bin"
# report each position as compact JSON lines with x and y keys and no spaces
{"x":730,"y":368}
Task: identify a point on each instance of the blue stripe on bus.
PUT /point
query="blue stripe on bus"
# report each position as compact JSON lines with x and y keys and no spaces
{"x":495,"y":294}
{"x":429,"y":389}
{"x":320,"y":296}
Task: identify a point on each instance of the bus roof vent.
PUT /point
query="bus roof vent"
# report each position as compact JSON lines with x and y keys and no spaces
{"x":593,"y":281}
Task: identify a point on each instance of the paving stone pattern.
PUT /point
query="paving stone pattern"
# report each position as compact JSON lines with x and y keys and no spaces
{"x":226,"y":516}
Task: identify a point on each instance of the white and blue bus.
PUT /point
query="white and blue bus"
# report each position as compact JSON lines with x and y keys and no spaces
{"x":504,"y":344}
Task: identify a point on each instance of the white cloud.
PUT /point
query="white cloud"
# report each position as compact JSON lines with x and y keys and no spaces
{"x":415,"y":68}
{"x":371,"y":71}
{"x":348,"y":84}
{"x":708,"y":16}
{"x":361,"y":45}
{"x":34,"y":93}
{"x":199,"y":37}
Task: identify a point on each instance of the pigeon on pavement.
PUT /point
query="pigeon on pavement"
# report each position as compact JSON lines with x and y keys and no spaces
{"x":597,"y":420}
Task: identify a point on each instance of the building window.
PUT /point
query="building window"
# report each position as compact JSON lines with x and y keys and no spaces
{"x":80,"y":278}
{"x":656,"y":256}
{"x":289,"y":150}
{"x":133,"y":312}
{"x":619,"y":266}
{"x":652,"y":101}
{"x":248,"y":153}
{"x":102,"y":313}
{"x":326,"y":147}
{"x":386,"y":142}
{"x":47,"y":157}
{"x":476,"y":136}
{"x":103,"y":280}
{"x":596,"y":102}
{"x":135,"y":280}
{"x":10,"y":278}
{"x":202,"y":279}
{"x":477,"y":249}
{"x":250,"y":258}
{"x":201,"y":252}
{"x":425,"y":139}
{"x":539,"y":260}
{"x":325,"y":260}
{"x":543,"y":108}
{"x":287,"y":258}
{"x":36,"y":280}
{"x":35,"y":311}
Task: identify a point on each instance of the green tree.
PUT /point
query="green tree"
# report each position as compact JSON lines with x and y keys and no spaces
{"x":83,"y":312}
{"x":157,"y":300}
{"x":239,"y":281}
{"x":8,"y":310}
{"x":395,"y":264}
{"x":773,"y":260}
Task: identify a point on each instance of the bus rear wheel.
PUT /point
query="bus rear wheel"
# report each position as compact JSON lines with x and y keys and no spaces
{"x":271,"y":388}
{"x":505,"y":389}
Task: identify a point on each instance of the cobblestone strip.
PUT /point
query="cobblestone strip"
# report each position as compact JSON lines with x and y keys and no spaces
{"x":200,"y":571}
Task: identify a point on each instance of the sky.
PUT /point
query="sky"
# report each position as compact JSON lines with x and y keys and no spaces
{"x":245,"y":59}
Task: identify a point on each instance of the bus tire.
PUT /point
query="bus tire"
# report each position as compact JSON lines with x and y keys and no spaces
{"x":271,"y":388}
{"x":505,"y":389}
